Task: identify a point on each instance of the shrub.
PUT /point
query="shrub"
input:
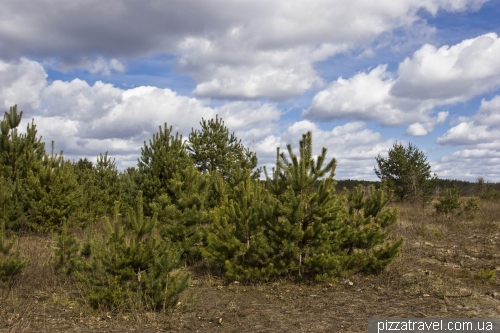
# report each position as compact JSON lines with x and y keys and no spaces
{"x":295,"y":225}
{"x":127,"y":266}
{"x":471,"y":207}
{"x":407,"y":172}
{"x":449,"y":201}
{"x":10,"y":262}
{"x":486,"y":276}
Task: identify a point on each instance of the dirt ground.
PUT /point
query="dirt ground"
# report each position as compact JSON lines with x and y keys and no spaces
{"x":445,"y":270}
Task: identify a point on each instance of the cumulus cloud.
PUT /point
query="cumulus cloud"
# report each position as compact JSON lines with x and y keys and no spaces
{"x":87,"y":119}
{"x":367,"y":97}
{"x":482,"y":129}
{"x":469,"y":164}
{"x":431,"y":77}
{"x":103,"y":66}
{"x":353,"y":146}
{"x":217,"y":43}
{"x":259,"y":81}
{"x":416,"y":129}
{"x":78,"y":100}
{"x":21,"y":82}
{"x":478,"y":140}
{"x":451,"y":74}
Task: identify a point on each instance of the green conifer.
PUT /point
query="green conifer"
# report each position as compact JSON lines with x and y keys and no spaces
{"x":107,"y":180}
{"x":184,"y":215}
{"x":366,"y":229}
{"x":214,"y":150}
{"x":160,"y":160}
{"x":236,"y":237}
{"x":449,"y":201}
{"x":10,"y":262}
{"x":67,"y":251}
{"x":131,"y":266}
{"x":20,"y":154}
{"x":53,"y":194}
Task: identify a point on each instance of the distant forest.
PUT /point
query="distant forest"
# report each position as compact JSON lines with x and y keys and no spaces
{"x":467,"y":189}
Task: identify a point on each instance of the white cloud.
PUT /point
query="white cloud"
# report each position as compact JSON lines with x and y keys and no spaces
{"x":250,"y":120}
{"x":78,"y":100}
{"x":421,"y":129}
{"x":218,"y":43}
{"x":259,"y":81}
{"x":451,"y":74}
{"x":481,"y":129}
{"x":469,"y":165}
{"x":430,"y":78}
{"x":366,"y":97}
{"x":104,"y":66}
{"x":478,"y":140}
{"x":416,"y":130}
{"x":84,"y":119}
{"x":21,"y":83}
{"x":352,"y":145}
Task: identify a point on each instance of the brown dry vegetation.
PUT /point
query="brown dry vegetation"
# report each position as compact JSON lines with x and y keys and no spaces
{"x":442,"y":272}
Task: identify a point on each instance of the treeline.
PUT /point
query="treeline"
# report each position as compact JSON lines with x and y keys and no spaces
{"x":187,"y":201}
{"x":479,"y":188}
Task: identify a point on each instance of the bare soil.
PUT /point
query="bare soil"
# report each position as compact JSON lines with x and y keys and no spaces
{"x":442,"y":272}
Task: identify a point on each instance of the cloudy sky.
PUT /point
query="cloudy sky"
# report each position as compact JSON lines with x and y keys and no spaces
{"x":101,"y":76}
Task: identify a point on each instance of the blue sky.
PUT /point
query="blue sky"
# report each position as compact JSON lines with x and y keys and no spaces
{"x":102,"y":76}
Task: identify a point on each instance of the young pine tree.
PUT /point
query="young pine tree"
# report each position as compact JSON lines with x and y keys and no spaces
{"x":10,"y":262}
{"x":91,"y":206}
{"x":214,"y":150}
{"x":309,"y":209}
{"x":20,"y":154}
{"x":184,"y":216}
{"x":131,"y":266}
{"x":449,"y":201}
{"x":236,"y":238}
{"x":366,"y":230}
{"x":319,"y":234}
{"x":160,"y":160}
{"x":53,"y":194}
{"x":107,"y":182}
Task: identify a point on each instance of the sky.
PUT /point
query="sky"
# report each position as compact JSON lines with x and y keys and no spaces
{"x":102,"y":76}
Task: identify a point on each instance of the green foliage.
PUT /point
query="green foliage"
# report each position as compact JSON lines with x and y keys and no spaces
{"x":406,"y":172}
{"x":236,"y":238}
{"x":471,"y":207}
{"x":309,"y":215}
{"x":486,"y":276}
{"x":184,"y":215}
{"x":487,"y":190}
{"x":128,"y":183}
{"x":20,"y":155}
{"x":102,"y":186}
{"x":107,"y":180}
{"x":297,"y":226}
{"x":10,"y":262}
{"x":213,"y":149}
{"x":6,"y":200}
{"x":366,"y":229}
{"x":67,"y":252}
{"x":160,"y":160}
{"x":90,"y":206}
{"x":131,"y":266}
{"x":52,"y":194}
{"x":449,"y":201}
{"x":18,"y":152}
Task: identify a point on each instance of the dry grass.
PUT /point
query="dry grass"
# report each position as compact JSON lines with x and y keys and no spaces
{"x":444,"y":271}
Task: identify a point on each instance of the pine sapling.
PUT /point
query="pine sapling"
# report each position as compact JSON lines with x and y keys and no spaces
{"x":449,"y":201}
{"x":10,"y":262}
